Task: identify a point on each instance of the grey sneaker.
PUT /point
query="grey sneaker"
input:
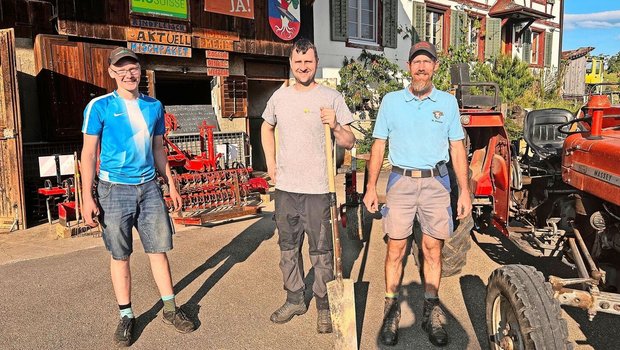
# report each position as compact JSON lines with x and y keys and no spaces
{"x":391,"y":318}
{"x":433,"y":322}
{"x":179,"y":320}
{"x":122,"y":335}
{"x":324,"y":321}
{"x":286,"y":312}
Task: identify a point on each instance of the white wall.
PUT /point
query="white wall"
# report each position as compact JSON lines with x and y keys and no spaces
{"x":332,"y":53}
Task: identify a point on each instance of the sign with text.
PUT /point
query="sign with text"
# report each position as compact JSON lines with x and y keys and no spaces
{"x":218,"y":55}
{"x":159,"y":49}
{"x":155,"y":24}
{"x":214,"y":44}
{"x":237,"y":8}
{"x":217,"y":63}
{"x":162,"y":8}
{"x":158,"y":37}
{"x":214,"y":72}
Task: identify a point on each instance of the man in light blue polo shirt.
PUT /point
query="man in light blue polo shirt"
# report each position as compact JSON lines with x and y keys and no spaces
{"x":424,"y":131}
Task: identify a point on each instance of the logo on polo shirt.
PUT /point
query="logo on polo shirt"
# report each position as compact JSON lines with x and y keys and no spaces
{"x":437,"y":114}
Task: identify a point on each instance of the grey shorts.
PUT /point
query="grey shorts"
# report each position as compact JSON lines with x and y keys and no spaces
{"x":124,"y":207}
{"x":427,"y":199}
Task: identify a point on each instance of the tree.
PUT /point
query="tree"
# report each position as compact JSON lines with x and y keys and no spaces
{"x":512,"y":75}
{"x":364,"y":82}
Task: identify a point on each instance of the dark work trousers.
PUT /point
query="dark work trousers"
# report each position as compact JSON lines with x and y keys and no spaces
{"x":295,"y":214}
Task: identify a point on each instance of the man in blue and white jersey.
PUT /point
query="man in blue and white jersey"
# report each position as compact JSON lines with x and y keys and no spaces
{"x":129,"y":128}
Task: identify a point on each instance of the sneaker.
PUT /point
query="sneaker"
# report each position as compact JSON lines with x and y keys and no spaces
{"x":391,"y":318}
{"x":324,"y":321}
{"x":433,"y":322}
{"x":286,"y":312}
{"x":179,"y":320}
{"x":122,"y":335}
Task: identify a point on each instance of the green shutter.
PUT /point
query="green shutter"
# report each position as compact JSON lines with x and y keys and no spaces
{"x":493,"y":38}
{"x":390,"y":23}
{"x":548,"y":48}
{"x":458,"y":21}
{"x":526,"y":40}
{"x":419,"y":22}
{"x":338,"y":10}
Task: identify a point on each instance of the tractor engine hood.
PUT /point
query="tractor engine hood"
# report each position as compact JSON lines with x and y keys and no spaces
{"x":593,"y":166}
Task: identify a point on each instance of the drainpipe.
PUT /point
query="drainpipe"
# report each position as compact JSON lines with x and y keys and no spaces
{"x":561,"y":31}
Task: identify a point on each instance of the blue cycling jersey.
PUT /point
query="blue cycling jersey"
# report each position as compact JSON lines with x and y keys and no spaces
{"x":126,"y":129}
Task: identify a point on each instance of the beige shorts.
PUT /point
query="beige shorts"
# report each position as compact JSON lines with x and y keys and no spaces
{"x":427,"y":199}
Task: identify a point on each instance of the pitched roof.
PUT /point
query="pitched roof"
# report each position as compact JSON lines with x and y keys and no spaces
{"x":575,"y":54}
{"x":508,"y":8}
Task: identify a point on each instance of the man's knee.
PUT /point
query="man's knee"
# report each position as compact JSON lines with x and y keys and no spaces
{"x":431,"y":248}
{"x":396,"y":250}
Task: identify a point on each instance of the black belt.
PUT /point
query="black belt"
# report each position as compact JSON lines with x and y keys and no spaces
{"x":416,"y":172}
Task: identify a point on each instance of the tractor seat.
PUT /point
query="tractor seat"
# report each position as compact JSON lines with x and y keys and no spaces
{"x":541,"y":130}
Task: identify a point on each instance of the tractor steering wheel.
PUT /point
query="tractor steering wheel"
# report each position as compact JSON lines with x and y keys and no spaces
{"x":570,"y":123}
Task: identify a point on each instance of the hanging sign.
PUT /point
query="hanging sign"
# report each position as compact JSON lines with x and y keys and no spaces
{"x":161,"y":8}
{"x":215,"y":72}
{"x":155,"y":24}
{"x":213,"y":44}
{"x":158,"y":37}
{"x":217,"y":63}
{"x":159,"y":49}
{"x":237,"y":8}
{"x":284,"y":18}
{"x":218,"y":55}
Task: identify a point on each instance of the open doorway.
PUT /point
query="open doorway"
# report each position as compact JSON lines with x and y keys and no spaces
{"x":259,"y":92}
{"x":182,"y":89}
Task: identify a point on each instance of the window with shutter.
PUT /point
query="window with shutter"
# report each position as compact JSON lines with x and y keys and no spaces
{"x":434,"y":28}
{"x":493,"y":37}
{"x":390,"y":23}
{"x":526,"y":48}
{"x":362,"y":20}
{"x":548,"y":48}
{"x":338,"y":11}
{"x":419,"y":22}
{"x":457,"y":25}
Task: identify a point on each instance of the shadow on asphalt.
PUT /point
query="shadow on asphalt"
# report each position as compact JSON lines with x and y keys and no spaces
{"x":237,"y":251}
{"x":474,"y":290}
{"x":596,"y":331}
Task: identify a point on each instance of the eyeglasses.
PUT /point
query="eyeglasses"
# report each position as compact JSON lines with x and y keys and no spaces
{"x":123,"y":72}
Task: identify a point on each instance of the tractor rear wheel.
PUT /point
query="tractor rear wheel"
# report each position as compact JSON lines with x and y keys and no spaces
{"x":521,"y":312}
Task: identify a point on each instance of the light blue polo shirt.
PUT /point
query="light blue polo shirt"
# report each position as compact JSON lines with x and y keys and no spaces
{"x":126,"y":129}
{"x":418,"y":131}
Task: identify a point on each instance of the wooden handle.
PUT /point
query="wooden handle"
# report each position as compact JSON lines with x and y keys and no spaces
{"x":329,"y":155}
{"x":333,"y":210}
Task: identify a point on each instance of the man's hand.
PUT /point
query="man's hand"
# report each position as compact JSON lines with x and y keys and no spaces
{"x":328,"y":116}
{"x":90,"y":211}
{"x":177,"y":201}
{"x":371,"y":200}
{"x":463,"y":207}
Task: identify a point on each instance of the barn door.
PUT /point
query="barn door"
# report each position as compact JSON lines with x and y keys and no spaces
{"x":12,"y":216}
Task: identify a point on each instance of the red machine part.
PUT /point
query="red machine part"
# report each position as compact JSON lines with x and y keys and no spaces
{"x":490,"y":170}
{"x":590,"y":159}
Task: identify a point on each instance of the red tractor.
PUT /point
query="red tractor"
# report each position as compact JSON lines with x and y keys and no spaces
{"x":558,"y":196}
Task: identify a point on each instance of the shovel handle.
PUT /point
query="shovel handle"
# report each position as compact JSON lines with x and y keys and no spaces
{"x":333,"y":207}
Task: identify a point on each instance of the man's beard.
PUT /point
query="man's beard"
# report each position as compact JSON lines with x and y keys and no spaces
{"x":420,"y":88}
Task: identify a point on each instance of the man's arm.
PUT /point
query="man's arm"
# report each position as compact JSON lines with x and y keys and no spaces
{"x":88,"y":166}
{"x":268,"y":140}
{"x":161,"y":163}
{"x":461,"y":169}
{"x":343,"y":134}
{"x":377,"y":152}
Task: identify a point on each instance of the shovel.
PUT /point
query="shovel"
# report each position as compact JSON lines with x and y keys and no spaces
{"x":340,"y":291}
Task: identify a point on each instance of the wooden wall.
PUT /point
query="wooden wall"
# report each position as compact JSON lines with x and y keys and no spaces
{"x":28,"y":18}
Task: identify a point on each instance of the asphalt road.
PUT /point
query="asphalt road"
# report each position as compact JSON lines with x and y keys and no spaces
{"x":228,"y":279}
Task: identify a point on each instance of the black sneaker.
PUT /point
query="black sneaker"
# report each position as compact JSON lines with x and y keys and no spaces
{"x":179,"y":320}
{"x":122,"y":335}
{"x":324,"y":321}
{"x":433,"y":322}
{"x":391,"y":318}
{"x":287,"y":311}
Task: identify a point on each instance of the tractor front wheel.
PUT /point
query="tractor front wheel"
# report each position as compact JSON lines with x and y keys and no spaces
{"x":521,"y":312}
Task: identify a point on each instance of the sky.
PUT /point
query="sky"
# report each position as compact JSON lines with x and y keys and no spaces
{"x":593,"y":23}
